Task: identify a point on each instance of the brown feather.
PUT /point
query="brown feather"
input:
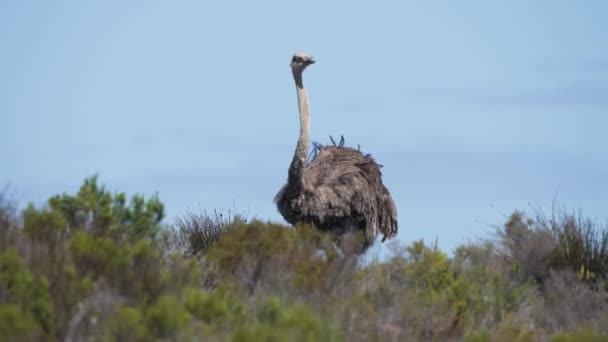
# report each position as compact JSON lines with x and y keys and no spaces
{"x":343,"y":191}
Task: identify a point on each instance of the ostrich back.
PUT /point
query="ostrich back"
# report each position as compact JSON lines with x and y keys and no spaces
{"x":343,"y":191}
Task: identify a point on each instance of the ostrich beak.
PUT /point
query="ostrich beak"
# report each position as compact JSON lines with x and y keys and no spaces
{"x":311,"y":61}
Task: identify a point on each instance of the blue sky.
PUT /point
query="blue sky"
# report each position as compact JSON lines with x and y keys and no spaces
{"x":475,"y":108}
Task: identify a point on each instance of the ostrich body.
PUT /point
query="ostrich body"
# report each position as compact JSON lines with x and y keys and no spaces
{"x":341,"y":189}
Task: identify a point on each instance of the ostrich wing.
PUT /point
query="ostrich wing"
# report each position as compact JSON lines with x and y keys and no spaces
{"x":346,"y":184}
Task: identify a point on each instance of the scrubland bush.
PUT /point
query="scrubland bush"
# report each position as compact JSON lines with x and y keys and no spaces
{"x":94,"y":266}
{"x":565,"y":241}
{"x":8,"y":221}
{"x":25,"y":304}
{"x":194,"y":233}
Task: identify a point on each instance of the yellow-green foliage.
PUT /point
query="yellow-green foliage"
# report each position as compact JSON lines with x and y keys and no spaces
{"x":97,"y":211}
{"x":301,"y":258}
{"x":93,"y":266}
{"x":166,"y":317}
{"x":583,"y":336}
{"x":280,"y":321}
{"x":16,"y":324}
{"x":217,"y":309}
{"x":25,"y":303}
{"x":127,"y":324}
{"x":95,"y":257}
{"x":428,"y":268}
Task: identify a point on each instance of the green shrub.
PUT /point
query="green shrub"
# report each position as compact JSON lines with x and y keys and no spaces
{"x":45,"y":226}
{"x":166,"y":317}
{"x":93,"y":266}
{"x":9,"y":223}
{"x":584,"y":336}
{"x":95,"y":210}
{"x":483,"y":287}
{"x":127,"y":324}
{"x":99,"y":256}
{"x":280,"y":321}
{"x":217,"y":308}
{"x":25,"y":297}
{"x":507,"y":331}
{"x":427,"y":268}
{"x":269,"y":256}
{"x":17,"y":325}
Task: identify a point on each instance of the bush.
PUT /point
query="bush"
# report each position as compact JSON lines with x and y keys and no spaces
{"x":96,"y":211}
{"x":582,"y":246}
{"x":218,"y":308}
{"x":569,"y":303}
{"x":127,"y":324}
{"x":166,"y":317}
{"x":279,"y":321}
{"x":196,"y":233}
{"x":25,"y":301}
{"x":564,"y":242}
{"x":580,"y":336}
{"x":93,"y":266}
{"x":267,"y":257}
{"x":16,"y":324}
{"x":8,"y":221}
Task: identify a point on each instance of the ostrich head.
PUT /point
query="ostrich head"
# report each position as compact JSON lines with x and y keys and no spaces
{"x":300,"y":61}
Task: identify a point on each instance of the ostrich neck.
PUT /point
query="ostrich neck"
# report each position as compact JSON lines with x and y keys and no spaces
{"x":298,"y":164}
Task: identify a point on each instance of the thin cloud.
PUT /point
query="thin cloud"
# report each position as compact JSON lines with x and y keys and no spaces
{"x":576,"y":94}
{"x":472,"y":173}
{"x":590,"y":65}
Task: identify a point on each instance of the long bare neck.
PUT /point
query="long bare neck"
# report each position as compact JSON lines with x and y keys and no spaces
{"x":298,"y":163}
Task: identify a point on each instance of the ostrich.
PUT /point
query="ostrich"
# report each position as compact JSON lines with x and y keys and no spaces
{"x":340,"y":189}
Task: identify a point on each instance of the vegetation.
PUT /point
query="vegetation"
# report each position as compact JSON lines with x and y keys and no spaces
{"x":96,"y":266}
